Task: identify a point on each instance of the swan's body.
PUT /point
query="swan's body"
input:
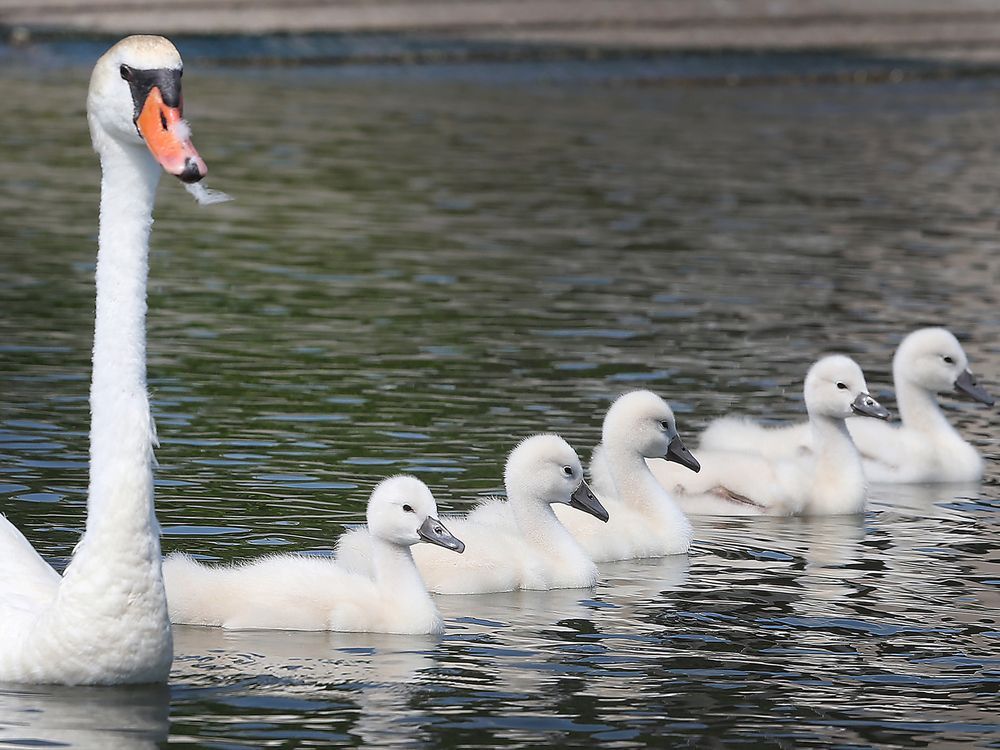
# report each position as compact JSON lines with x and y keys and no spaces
{"x":828,"y":481}
{"x":295,"y":592}
{"x":644,"y":519}
{"x":924,"y":448}
{"x":518,"y":544}
{"x":105,"y":620}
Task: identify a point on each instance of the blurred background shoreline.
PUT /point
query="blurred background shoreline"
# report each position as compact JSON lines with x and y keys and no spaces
{"x":695,"y":41}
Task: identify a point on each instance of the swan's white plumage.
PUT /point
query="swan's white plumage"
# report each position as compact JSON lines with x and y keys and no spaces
{"x":827,"y":481}
{"x":296,"y":592}
{"x":105,"y":620}
{"x":517,"y":544}
{"x":923,"y":448}
{"x":644,"y":519}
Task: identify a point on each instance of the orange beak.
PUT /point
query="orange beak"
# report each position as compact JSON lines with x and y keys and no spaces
{"x":168,"y":138}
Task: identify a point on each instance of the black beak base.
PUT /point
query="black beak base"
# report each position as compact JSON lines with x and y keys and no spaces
{"x":966,"y":384}
{"x":866,"y":406}
{"x":434,"y":532}
{"x":679,"y":453}
{"x":585,"y":500}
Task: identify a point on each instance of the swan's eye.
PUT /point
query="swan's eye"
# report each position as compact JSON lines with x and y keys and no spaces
{"x":841,"y":386}
{"x":126,"y":73}
{"x":665,"y":425}
{"x":408,"y":508}
{"x":568,"y":471}
{"x":949,"y":360}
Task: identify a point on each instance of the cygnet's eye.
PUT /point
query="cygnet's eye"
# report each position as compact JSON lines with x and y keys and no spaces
{"x":665,"y":425}
{"x":950,"y":360}
{"x":408,"y":508}
{"x":126,"y":72}
{"x":568,"y":471}
{"x":842,"y":386}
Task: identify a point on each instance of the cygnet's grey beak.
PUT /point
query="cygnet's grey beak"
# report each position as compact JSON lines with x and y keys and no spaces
{"x":966,"y":384}
{"x":585,"y":500}
{"x":679,"y":453}
{"x":866,"y":406}
{"x":433,"y":531}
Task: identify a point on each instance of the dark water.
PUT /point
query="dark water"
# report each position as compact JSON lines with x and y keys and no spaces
{"x":416,"y":274}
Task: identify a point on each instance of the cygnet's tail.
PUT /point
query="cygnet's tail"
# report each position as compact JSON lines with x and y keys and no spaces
{"x":197,"y":594}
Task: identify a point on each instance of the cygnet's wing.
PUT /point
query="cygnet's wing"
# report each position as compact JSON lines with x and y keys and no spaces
{"x":288,"y":592}
{"x":601,"y":541}
{"x":729,"y":483}
{"x":744,"y":435}
{"x":886,"y":449}
{"x":493,"y":560}
{"x":27,"y":582}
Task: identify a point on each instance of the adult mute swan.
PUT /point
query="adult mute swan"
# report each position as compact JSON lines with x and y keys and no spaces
{"x":644,"y":519}
{"x":104,"y":621}
{"x":518,"y":544}
{"x":924,"y":448}
{"x":828,"y":481}
{"x":296,"y":592}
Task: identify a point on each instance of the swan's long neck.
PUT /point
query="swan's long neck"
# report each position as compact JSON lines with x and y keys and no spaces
{"x":122,"y":532}
{"x":120,"y":497}
{"x":112,"y":591}
{"x":918,"y":408}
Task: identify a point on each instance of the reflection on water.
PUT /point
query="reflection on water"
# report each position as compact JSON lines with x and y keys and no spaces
{"x":416,"y":274}
{"x":129,"y":718}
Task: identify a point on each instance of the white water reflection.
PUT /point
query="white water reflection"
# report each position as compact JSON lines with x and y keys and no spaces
{"x":127,"y":718}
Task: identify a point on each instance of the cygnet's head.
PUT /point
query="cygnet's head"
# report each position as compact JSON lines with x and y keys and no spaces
{"x":402,"y":511}
{"x":933,"y":359}
{"x":135,"y":99}
{"x":642,"y":422}
{"x":835,"y":387}
{"x":546,"y":468}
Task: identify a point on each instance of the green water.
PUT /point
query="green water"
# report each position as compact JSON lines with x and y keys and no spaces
{"x":415,"y":274}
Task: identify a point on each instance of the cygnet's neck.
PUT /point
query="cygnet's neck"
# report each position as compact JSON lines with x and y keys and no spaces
{"x":634,"y":483}
{"x":830,"y":434}
{"x":838,"y":479}
{"x":919,"y":408}
{"x":539,"y":524}
{"x":396,"y":574}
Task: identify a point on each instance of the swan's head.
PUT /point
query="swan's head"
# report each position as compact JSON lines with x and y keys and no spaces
{"x":933,"y":359}
{"x":402,"y":511}
{"x":135,"y":99}
{"x":545,"y":468}
{"x":836,"y":387}
{"x":643,"y":423}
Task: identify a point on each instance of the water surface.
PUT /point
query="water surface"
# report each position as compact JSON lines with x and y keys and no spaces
{"x":420,"y":270}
